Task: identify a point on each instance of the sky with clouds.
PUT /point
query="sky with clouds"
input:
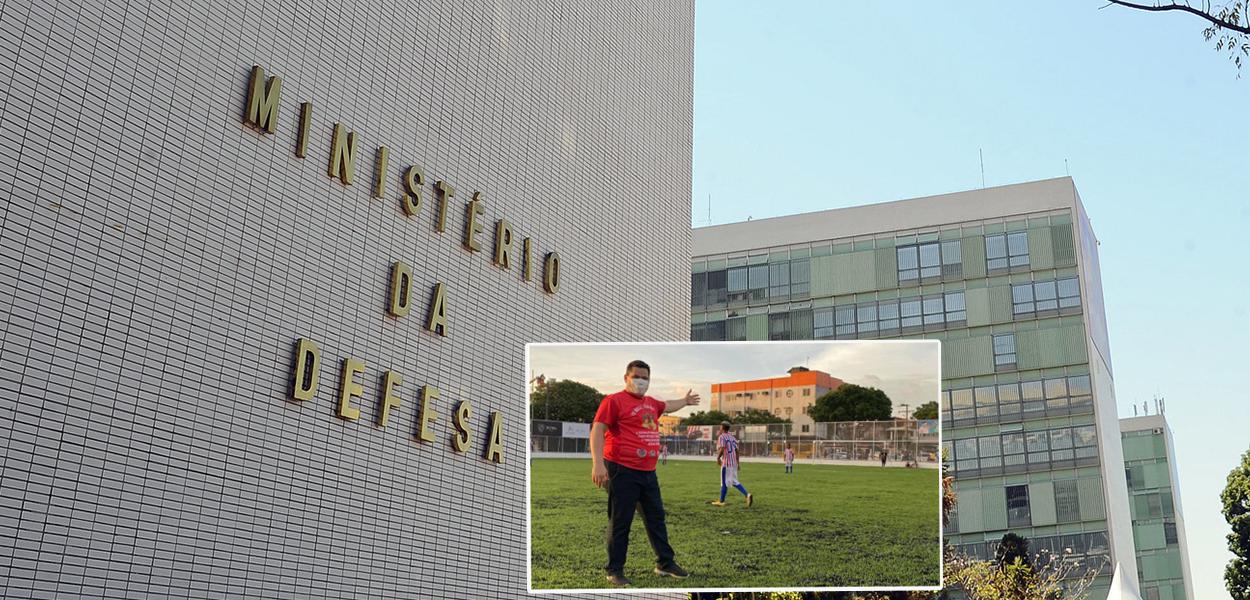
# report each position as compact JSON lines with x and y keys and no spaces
{"x":907,"y":371}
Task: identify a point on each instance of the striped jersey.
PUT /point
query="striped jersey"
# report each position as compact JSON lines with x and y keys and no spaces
{"x":730,"y":444}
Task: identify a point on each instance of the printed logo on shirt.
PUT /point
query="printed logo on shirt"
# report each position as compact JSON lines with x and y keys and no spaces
{"x":641,"y":453}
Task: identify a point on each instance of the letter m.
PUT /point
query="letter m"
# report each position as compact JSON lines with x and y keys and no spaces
{"x":262,"y":100}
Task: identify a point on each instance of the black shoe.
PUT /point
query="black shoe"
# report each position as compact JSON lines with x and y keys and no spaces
{"x":619,"y":579}
{"x":672,"y":570}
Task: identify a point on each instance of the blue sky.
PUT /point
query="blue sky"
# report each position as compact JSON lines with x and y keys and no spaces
{"x":805,"y":106}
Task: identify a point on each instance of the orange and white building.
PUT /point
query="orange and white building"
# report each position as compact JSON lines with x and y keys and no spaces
{"x":788,"y":397}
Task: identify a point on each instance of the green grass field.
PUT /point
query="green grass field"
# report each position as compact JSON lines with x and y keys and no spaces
{"x":825,"y":525}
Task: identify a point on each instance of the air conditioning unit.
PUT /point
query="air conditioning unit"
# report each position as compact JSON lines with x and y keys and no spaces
{"x":1158,"y":431}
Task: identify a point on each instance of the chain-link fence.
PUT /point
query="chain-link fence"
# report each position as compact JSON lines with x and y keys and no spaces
{"x":905,"y":440}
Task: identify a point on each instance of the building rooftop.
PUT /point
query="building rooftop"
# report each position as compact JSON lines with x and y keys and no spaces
{"x":928,"y":212}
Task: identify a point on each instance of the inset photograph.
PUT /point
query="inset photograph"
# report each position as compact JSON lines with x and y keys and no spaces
{"x":736,"y":465}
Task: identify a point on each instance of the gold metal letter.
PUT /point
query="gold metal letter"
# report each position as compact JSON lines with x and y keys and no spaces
{"x":438,"y":312}
{"x":446,"y":192}
{"x":503,"y":243}
{"x":350,"y":388}
{"x":429,"y":394}
{"x":379,"y":182}
{"x":527,"y":251}
{"x":460,"y":439}
{"x":414,"y":178}
{"x":307,"y":366}
{"x":472,"y":226}
{"x":494,"y":447}
{"x":390,"y":381}
{"x":401,"y":290}
{"x":305,"y":121}
{"x":551,"y":273}
{"x":262,"y":100}
{"x":343,"y":154}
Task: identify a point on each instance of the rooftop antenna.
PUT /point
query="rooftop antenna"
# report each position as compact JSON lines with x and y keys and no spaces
{"x":1065,"y":168}
{"x":1134,"y":409}
{"x":1145,"y":408}
{"x":709,"y":208}
{"x":982,"y":155}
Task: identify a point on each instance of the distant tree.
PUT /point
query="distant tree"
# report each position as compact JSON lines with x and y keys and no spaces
{"x":1010,"y":548}
{"x":928,"y":410}
{"x":565,"y":400}
{"x":1229,"y":23}
{"x":850,"y":402}
{"x":711,"y":417}
{"x":756,"y":416}
{"x":1236,"y":501}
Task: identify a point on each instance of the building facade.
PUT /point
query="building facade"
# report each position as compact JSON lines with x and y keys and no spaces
{"x":787,"y":397}
{"x":268,"y":272}
{"x":1008,"y":279}
{"x":1155,"y":504}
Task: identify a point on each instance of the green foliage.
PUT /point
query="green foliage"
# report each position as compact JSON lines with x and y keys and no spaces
{"x":1236,"y":508}
{"x":711,"y":417}
{"x":822,"y":525}
{"x":565,"y":400}
{"x":851,"y":402}
{"x":755,"y":416}
{"x":928,"y":410}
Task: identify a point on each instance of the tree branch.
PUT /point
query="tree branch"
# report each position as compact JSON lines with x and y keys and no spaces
{"x":1218,"y":22}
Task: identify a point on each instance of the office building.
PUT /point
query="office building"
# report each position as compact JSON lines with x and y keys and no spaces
{"x":1008,"y":279}
{"x":1155,"y":503}
{"x":267,"y":272}
{"x":787,"y":397}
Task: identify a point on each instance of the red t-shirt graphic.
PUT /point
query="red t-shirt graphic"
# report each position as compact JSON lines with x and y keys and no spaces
{"x":633,"y":436}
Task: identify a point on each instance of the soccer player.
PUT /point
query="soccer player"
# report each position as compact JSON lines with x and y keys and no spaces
{"x":727,"y":454}
{"x":789,"y":458}
{"x":624,"y":446}
{"x":664,"y":454}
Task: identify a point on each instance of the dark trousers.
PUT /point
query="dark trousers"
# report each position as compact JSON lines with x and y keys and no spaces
{"x":627,"y":489}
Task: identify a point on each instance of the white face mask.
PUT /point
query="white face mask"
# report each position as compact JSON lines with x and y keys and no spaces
{"x":640,"y":385}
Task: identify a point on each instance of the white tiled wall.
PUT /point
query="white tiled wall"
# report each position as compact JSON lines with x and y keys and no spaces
{"x":159,"y":259}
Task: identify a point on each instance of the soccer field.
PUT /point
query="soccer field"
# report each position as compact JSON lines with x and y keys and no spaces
{"x":824,"y":525}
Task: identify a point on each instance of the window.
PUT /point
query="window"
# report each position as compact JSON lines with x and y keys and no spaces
{"x":807,"y":428}
{"x":737,"y":285}
{"x":801,"y":324}
{"x":1169,"y":534}
{"x":961,"y":403}
{"x":991,"y":451}
{"x":1039,"y":296}
{"x":757,"y":281}
{"x":779,"y":326}
{"x":807,"y":391}
{"x":887,"y":312}
{"x":714,"y":331}
{"x":800,"y":278}
{"x":866,"y":317}
{"x":1006,"y":250}
{"x":1069,"y":293}
{"x":1013,"y":449}
{"x":933,"y":312}
{"x":844,"y":321}
{"x":736,"y":329}
{"x":952,"y":260}
{"x":716,"y":287}
{"x":909,"y":310}
{"x":966,"y":454}
{"x":1018,"y":506}
{"x":1004,"y":351}
{"x":930,"y":260}
{"x":955,"y":311}
{"x":698,"y":289}
{"x":822,"y":323}
{"x":779,"y":280}
{"x":1067,"y":502}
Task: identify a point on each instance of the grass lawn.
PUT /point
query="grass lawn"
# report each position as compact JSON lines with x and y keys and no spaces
{"x":824,"y":525}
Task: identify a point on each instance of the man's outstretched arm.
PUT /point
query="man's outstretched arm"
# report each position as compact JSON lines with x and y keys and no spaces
{"x":690,"y":399}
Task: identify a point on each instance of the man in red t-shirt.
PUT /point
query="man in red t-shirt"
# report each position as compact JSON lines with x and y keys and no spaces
{"x":624,"y":446}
